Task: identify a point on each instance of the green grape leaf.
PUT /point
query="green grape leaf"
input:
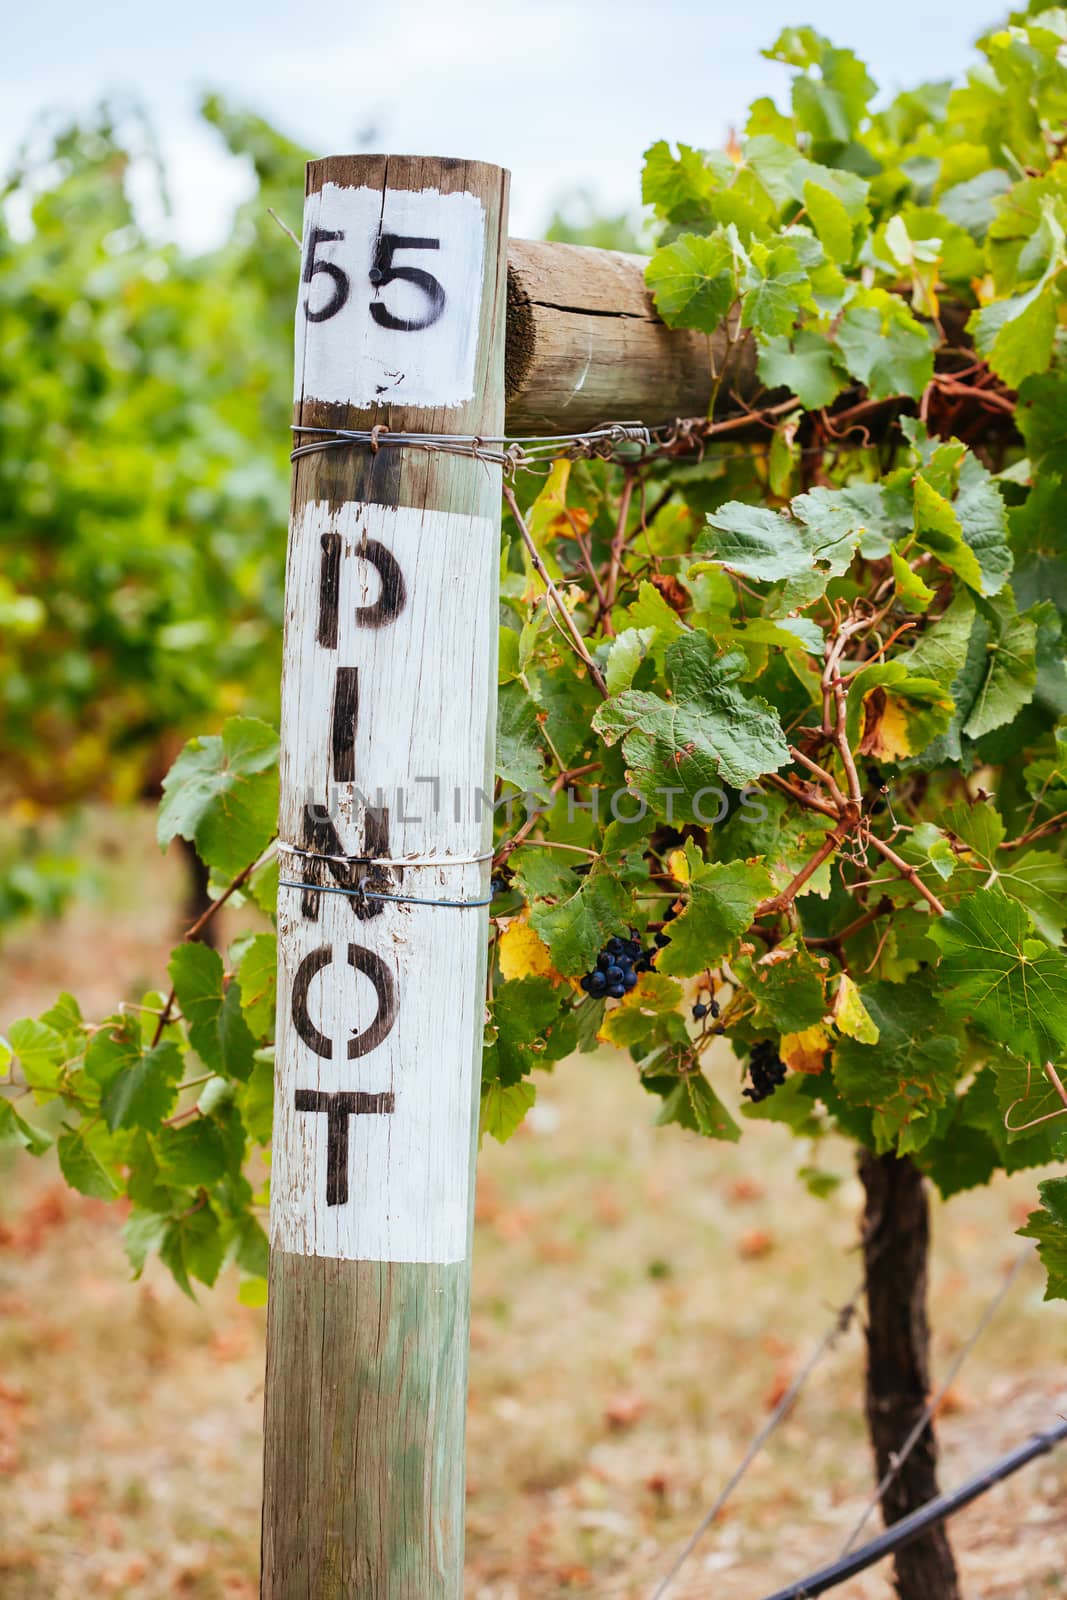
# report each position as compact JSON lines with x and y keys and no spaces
{"x":86,"y":1162}
{"x":1049,"y":1228}
{"x":139,"y":1086}
{"x":1016,"y":334}
{"x":805,"y":365}
{"x":211,"y":1007}
{"x":193,"y":1247}
{"x":788,"y":987}
{"x":192,"y":1156}
{"x":650,"y":613}
{"x":1010,"y":674}
{"x":519,"y":748}
{"x":775,"y":290}
{"x":720,"y":904}
{"x":941,"y":651}
{"x":143,"y":1234}
{"x":222,"y":794}
{"x":526,"y":1013}
{"x":830,"y":220}
{"x":255,"y":1098}
{"x":504,"y":1106}
{"x":626,"y":654}
{"x":693,"y":1104}
{"x":996,"y":970}
{"x":983,"y":520}
{"x":681,"y":185}
{"x":1029,"y":1106}
{"x":913,"y":593}
{"x":141,"y":1094}
{"x":884,"y":347}
{"x":40,"y":1051}
{"x":693,"y":281}
{"x":770,"y":826}
{"x":648,"y":1015}
{"x":709,"y":732}
{"x":820,"y":535}
{"x":980,"y":826}
{"x":257,"y":975}
{"x":15,"y":1130}
{"x":910,"y":1073}
{"x":577,"y":927}
{"x":1038,"y":880}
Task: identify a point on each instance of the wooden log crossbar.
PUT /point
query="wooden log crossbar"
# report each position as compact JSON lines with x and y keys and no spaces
{"x":585,"y":345}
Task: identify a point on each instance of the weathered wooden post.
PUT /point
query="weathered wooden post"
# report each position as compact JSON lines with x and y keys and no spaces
{"x":388,"y":709}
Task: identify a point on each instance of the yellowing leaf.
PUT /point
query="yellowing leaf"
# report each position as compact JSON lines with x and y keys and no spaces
{"x":679,"y":866}
{"x":851,"y":1015}
{"x":522,"y":953}
{"x":885,"y":728}
{"x":900,"y":713}
{"x":806,"y":1051}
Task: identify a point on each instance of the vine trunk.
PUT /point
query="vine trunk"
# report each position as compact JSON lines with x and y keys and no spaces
{"x":896,"y":1242}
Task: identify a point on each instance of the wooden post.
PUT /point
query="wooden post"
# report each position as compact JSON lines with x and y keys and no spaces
{"x":388,"y":709}
{"x":585,"y":345}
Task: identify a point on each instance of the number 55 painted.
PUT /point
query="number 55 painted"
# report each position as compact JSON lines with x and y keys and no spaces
{"x":394,"y":285}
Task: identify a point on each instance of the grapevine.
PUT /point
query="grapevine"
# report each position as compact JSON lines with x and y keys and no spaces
{"x":784,"y":698}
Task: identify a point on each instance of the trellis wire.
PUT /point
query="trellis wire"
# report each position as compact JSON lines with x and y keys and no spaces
{"x":499,"y":450}
{"x":910,"y":1527}
{"x":618,"y":443}
{"x":842,"y":1320}
{"x":930,"y":1409}
{"x":361,"y":892}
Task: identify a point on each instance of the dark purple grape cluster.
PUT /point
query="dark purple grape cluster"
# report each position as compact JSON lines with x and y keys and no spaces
{"x":617,"y":968}
{"x":706,"y":1008}
{"x":766,"y":1069}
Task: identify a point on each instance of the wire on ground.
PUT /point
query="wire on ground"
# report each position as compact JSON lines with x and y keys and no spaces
{"x":910,"y":1527}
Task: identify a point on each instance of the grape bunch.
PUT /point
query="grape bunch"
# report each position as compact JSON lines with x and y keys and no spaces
{"x":766,"y":1069}
{"x":617,"y":968}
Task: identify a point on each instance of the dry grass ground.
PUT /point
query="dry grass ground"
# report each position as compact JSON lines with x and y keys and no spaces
{"x":640,"y":1300}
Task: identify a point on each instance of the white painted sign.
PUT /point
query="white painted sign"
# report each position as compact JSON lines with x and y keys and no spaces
{"x":372,"y":1152}
{"x":384,"y":313}
{"x":376,"y":1068}
{"x":397,"y":601}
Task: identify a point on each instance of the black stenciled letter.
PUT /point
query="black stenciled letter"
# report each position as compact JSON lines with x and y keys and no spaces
{"x":324,"y":858}
{"x":329,"y":589}
{"x":345,"y":718}
{"x":360,"y":960}
{"x":392,"y":596}
{"x":341,"y":284}
{"x":338,"y":1109}
{"x":383,"y":272}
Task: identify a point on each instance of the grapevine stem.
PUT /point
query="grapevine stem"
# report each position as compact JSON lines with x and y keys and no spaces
{"x":201,"y":923}
{"x":618,"y":543}
{"x":908,"y":872}
{"x":542,"y":572}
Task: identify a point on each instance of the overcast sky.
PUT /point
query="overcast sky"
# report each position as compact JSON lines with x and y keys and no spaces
{"x":562,"y":93}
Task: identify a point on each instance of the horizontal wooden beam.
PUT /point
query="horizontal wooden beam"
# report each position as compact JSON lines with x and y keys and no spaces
{"x":585,"y":346}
